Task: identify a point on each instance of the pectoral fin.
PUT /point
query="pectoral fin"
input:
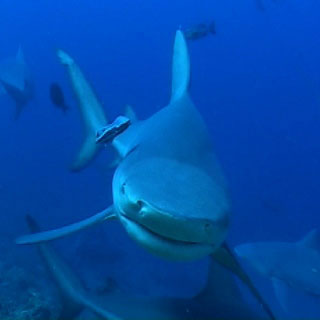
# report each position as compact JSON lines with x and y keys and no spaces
{"x":226,"y":258}
{"x":65,"y":231}
{"x":91,"y":110}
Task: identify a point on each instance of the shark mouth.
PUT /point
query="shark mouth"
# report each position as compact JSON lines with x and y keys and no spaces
{"x":163,"y":246}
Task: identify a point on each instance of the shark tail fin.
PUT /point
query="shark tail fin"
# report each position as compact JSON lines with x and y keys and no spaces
{"x":91,"y":111}
{"x":180,"y":67}
{"x":226,"y":258}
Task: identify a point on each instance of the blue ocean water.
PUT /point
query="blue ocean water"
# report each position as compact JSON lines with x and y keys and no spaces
{"x":256,"y":82}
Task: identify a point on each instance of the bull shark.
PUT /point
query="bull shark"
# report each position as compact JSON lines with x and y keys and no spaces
{"x":73,"y":294}
{"x":169,"y":192}
{"x":16,"y":81}
{"x":297,"y":264}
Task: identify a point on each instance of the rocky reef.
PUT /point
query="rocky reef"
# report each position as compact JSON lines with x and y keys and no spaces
{"x":24,"y":295}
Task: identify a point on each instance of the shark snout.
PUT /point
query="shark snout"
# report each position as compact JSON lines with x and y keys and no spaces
{"x":170,"y":225}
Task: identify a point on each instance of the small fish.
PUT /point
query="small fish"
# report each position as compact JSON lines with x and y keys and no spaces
{"x":200,"y":30}
{"x":57,"y":97}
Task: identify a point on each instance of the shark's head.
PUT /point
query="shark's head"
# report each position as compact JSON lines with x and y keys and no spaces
{"x":172,"y":209}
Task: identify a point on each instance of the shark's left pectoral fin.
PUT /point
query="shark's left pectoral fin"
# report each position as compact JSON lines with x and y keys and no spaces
{"x":226,"y":258}
{"x":67,"y":230}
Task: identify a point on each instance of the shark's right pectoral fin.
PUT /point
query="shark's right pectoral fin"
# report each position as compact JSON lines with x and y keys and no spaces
{"x":67,"y":230}
{"x":87,"y":152}
{"x":91,"y":110}
{"x":226,"y":258}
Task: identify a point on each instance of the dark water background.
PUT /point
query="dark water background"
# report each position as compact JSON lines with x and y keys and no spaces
{"x":257,"y":83}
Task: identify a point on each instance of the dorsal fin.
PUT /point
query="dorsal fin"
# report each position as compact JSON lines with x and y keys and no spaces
{"x":20,"y":55}
{"x":311,"y":240}
{"x":130,"y":114}
{"x":180,"y":67}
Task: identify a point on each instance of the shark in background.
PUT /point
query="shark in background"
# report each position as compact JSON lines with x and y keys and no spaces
{"x":219,"y":299}
{"x":16,"y":81}
{"x":169,"y":192}
{"x":293,"y":265}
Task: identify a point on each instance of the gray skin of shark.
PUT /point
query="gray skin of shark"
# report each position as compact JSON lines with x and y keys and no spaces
{"x":296,"y":264}
{"x":16,"y":81}
{"x":168,"y":190}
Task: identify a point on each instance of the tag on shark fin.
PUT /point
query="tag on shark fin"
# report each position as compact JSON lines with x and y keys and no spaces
{"x":130,"y":114}
{"x":226,"y":258}
{"x":311,"y":240}
{"x":180,"y":67}
{"x":67,"y":230}
{"x":20,"y":56}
